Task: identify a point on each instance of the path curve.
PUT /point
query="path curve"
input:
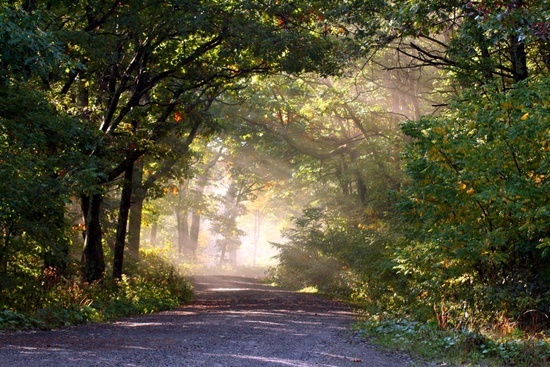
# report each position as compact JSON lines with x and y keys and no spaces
{"x":234,"y":322}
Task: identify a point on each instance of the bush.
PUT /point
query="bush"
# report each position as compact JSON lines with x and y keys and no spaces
{"x":340,"y":256}
{"x":29,"y":301}
{"x":477,"y":209}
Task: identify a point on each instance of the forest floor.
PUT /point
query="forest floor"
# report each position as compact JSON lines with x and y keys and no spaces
{"x":233,"y":322}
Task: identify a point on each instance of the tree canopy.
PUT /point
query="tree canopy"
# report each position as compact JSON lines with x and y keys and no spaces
{"x":408,"y":140}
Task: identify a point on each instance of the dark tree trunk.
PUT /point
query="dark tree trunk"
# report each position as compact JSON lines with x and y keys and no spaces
{"x":136,"y":212}
{"x":519,"y":59}
{"x":198,"y":197}
{"x":134,"y":228}
{"x":93,"y":260}
{"x":123,"y":213}
{"x":518,"y":55}
{"x":361,"y":188}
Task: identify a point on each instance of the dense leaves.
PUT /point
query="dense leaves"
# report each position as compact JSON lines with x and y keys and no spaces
{"x":479,"y":204}
{"x":104,"y":104}
{"x":49,"y":301}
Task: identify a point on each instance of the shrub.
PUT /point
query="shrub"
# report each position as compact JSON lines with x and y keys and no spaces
{"x":30,"y":302}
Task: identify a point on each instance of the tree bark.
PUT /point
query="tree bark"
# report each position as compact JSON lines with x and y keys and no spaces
{"x":93,"y":259}
{"x":136,"y":212}
{"x":518,"y":54}
{"x":123,"y":213}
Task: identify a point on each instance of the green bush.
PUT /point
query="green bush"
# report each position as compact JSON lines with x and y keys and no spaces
{"x":46,"y":300}
{"x":340,"y":256}
{"x":477,"y":248}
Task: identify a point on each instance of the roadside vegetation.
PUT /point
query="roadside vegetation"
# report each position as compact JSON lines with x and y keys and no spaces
{"x":409,"y":140}
{"x":47,"y":300}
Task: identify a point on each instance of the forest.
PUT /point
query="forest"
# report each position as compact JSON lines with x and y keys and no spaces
{"x":392,"y":154}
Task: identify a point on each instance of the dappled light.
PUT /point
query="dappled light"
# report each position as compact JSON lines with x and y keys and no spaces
{"x":391,"y":155}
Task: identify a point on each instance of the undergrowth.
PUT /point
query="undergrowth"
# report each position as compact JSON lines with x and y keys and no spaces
{"x":49,"y":301}
{"x":459,"y":347}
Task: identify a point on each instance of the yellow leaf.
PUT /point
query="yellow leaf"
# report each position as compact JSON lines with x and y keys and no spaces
{"x":525,"y":116}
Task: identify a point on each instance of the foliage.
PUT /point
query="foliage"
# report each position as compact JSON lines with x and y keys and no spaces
{"x":478,"y":208}
{"x":336,"y":256}
{"x":27,"y":50}
{"x":427,"y":340}
{"x":480,"y":42}
{"x":148,"y":71}
{"x":48,"y":300}
{"x":42,"y":164}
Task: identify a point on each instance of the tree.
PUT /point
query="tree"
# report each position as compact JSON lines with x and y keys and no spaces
{"x":479,"y":204}
{"x":481,"y":42}
{"x":334,"y":139}
{"x":40,"y":147}
{"x":137,"y":88}
{"x":242,"y":186}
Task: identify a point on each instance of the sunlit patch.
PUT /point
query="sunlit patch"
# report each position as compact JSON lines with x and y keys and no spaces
{"x":352,"y":359}
{"x":263,"y":322}
{"x":231,"y":289}
{"x":138,"y":324}
{"x":309,"y":290}
{"x":23,"y":348}
{"x":281,"y":361}
{"x":180,"y":313}
{"x":306,"y":323}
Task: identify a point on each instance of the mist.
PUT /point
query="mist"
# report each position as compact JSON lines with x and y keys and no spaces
{"x":287,"y":144}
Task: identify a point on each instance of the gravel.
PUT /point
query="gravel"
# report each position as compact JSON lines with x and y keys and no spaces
{"x":234,"y":321}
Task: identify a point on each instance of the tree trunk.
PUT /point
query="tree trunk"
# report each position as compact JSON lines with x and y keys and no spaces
{"x":518,"y":54}
{"x":519,"y":59}
{"x":232,"y":256}
{"x":134,"y":228}
{"x":93,"y":259}
{"x":125,"y":203}
{"x":136,"y":212}
{"x":182,"y":222}
{"x":154,"y":231}
{"x":223,"y":250}
{"x":194,"y":233}
{"x":198,"y":197}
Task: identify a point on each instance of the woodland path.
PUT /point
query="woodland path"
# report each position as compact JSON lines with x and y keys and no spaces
{"x":234,"y":322}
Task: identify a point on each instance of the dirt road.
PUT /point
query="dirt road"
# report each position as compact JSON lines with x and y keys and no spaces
{"x":234,"y":322}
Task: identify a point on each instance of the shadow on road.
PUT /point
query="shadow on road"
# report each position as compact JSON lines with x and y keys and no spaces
{"x":234,"y":321}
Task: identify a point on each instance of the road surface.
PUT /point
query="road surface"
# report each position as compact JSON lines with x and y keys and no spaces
{"x":234,"y":322}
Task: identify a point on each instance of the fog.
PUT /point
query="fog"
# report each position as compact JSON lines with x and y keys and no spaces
{"x":288,"y":143}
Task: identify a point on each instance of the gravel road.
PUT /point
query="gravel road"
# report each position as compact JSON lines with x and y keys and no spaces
{"x":234,"y":322}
